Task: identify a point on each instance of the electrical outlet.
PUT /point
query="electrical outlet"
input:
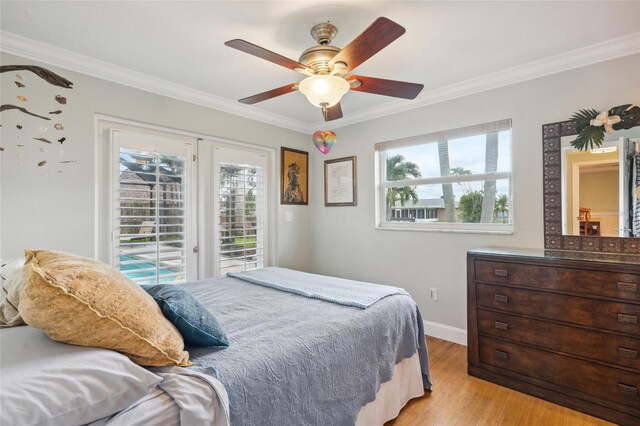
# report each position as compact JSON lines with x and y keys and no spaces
{"x":434,"y":293}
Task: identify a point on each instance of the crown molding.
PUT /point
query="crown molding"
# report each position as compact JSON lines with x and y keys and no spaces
{"x":593,"y":54}
{"x":34,"y":50}
{"x":30,"y":49}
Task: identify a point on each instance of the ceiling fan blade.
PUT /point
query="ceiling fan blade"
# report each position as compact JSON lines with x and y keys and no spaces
{"x":379,"y":35}
{"x":269,"y":94}
{"x":379,"y":86}
{"x":268,"y":55}
{"x":333,"y":113}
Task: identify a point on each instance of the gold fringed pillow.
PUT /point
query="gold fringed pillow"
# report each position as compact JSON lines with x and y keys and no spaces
{"x":84,"y":302}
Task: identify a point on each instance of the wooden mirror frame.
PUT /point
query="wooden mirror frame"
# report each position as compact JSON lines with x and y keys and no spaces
{"x":552,"y":190}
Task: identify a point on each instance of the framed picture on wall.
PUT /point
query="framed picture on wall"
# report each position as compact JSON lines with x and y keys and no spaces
{"x":340,"y":185}
{"x":294,"y":176}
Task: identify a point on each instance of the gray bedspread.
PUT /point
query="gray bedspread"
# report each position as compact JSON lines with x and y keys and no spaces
{"x":299,"y":361}
{"x":330,"y":289}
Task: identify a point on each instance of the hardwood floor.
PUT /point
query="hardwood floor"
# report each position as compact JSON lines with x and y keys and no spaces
{"x":459,"y":399}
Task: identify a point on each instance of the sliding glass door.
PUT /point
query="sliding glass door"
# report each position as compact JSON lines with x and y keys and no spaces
{"x":176,"y":209}
{"x":152,"y":206}
{"x":235,"y":180}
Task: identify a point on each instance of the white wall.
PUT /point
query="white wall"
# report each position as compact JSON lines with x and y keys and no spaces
{"x":346,"y":243}
{"x":58,"y":212}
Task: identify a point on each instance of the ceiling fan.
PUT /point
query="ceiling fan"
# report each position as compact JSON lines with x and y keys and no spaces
{"x":327,"y":67}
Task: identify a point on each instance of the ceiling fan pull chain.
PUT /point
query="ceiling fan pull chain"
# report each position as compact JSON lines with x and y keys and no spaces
{"x":325,"y":113}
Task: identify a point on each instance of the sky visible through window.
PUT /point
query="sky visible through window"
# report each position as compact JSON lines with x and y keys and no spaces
{"x":468,"y":153}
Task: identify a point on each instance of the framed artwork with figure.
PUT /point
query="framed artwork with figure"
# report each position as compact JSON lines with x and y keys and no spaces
{"x":294,"y":177}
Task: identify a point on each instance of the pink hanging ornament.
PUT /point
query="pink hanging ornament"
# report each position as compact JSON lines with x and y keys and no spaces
{"x":324,"y":140}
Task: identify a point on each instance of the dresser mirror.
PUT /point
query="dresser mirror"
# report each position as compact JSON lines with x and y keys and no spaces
{"x":592,"y":198}
{"x":599,"y":186}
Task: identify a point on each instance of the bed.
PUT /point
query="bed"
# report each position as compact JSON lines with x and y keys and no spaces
{"x":293,"y":359}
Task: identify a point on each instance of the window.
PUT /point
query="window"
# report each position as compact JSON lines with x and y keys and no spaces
{"x":457,"y":180}
{"x":240,"y":211}
{"x":152,"y":208}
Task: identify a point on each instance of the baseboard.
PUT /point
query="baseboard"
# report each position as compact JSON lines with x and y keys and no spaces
{"x":445,"y":332}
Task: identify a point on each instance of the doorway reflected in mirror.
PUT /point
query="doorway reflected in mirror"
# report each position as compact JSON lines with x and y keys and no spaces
{"x":599,"y":187}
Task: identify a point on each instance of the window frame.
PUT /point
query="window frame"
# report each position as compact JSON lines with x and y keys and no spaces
{"x":381,"y":184}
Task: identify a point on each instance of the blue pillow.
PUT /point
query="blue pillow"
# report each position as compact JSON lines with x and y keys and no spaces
{"x":196,"y":324}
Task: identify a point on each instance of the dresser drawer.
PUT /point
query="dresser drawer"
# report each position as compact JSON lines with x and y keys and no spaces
{"x":611,"y":348}
{"x":615,"y":316}
{"x":598,"y":283}
{"x":599,"y":381}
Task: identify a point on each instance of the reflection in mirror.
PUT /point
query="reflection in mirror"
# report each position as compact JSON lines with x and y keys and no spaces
{"x":601,"y":187}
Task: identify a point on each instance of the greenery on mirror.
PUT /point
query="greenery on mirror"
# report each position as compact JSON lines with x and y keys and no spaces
{"x":591,"y":125}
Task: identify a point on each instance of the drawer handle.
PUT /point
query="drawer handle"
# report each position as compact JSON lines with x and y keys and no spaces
{"x":627,"y":390}
{"x":630,"y":287}
{"x":627,"y":353}
{"x":501,"y":272}
{"x":501,"y":354}
{"x":502,"y":325}
{"x":501,"y":298}
{"x":627,"y":319}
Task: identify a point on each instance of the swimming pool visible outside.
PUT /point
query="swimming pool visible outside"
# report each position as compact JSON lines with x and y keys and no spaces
{"x":130,"y":271}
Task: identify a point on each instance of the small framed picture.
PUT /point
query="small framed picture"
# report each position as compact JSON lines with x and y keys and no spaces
{"x":294,"y":177}
{"x":340,"y":185}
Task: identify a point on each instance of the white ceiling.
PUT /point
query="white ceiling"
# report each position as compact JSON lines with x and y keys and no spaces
{"x":446,"y":43}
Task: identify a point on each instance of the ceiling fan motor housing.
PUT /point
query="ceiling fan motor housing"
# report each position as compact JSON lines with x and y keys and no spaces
{"x":317,"y":58}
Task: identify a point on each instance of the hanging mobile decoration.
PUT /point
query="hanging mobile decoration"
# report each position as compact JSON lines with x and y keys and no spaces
{"x":19,"y":145}
{"x":43,"y":162}
{"x":19,"y":81}
{"x":592,"y":125}
{"x":49,"y":76}
{"x":60,"y":160}
{"x":7,"y":107}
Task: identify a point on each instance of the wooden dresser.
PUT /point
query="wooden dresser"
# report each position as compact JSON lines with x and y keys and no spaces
{"x":561,"y":326}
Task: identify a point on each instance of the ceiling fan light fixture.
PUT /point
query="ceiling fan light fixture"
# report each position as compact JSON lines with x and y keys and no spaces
{"x":324,"y":91}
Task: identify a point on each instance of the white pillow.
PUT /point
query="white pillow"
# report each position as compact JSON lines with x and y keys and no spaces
{"x":11,"y":279}
{"x":50,"y":383}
